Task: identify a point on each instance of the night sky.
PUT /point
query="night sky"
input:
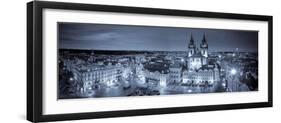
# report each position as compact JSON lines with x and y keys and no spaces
{"x":123,"y":37}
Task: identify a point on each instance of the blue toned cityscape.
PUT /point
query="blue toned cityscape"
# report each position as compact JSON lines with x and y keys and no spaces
{"x":196,"y":64}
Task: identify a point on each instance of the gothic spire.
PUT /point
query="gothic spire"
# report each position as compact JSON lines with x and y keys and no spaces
{"x":191,"y":40}
{"x":204,"y":43}
{"x":204,"y":39}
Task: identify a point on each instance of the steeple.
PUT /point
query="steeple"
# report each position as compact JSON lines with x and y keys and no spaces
{"x":204,"y":46}
{"x":191,"y":42}
{"x":191,"y":39}
{"x":204,"y":39}
{"x":204,"y":43}
{"x":191,"y":46}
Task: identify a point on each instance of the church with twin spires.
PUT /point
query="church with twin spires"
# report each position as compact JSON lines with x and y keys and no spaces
{"x":197,"y":57}
{"x":198,"y":69}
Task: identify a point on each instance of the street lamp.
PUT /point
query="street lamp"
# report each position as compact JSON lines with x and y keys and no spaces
{"x":233,"y":71}
{"x":232,"y":87}
{"x":71,"y":79}
{"x":223,"y":84}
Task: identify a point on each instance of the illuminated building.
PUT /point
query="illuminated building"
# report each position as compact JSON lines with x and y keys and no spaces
{"x":157,"y":74}
{"x":198,"y":70}
{"x":88,"y":75}
{"x":175,"y":73}
{"x":196,"y":57}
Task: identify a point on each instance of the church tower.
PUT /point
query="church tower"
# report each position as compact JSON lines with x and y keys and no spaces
{"x":204,"y":50}
{"x":204,"y":47}
{"x":191,"y":47}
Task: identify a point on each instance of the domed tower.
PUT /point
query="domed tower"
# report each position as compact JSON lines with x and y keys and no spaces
{"x":191,"y":47}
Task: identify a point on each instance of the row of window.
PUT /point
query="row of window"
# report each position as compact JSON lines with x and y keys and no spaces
{"x":98,"y":78}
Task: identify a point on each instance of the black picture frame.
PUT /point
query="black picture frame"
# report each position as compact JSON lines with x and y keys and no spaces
{"x":35,"y":69}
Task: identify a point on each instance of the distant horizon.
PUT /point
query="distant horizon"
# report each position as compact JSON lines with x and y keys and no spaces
{"x":151,"y":50}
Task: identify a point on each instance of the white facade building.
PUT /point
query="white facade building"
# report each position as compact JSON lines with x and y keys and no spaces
{"x":199,"y":71}
{"x":88,"y":75}
{"x":175,"y":73}
{"x":157,"y":74}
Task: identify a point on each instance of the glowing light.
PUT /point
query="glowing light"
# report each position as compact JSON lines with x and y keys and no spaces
{"x":142,"y":79}
{"x":110,"y":83}
{"x":182,"y":60}
{"x":233,"y":71}
{"x":185,"y":80}
{"x":211,"y":81}
{"x":163,"y":83}
{"x":189,"y":91}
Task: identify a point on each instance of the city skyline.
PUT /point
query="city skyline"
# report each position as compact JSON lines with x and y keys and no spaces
{"x":133,"y":67}
{"x":148,"y":38}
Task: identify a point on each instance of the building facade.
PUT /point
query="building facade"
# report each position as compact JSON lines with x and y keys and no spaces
{"x":157,"y":74}
{"x":88,"y":75}
{"x":175,"y":73}
{"x":198,"y":70}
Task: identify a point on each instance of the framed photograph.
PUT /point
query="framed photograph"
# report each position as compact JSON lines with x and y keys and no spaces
{"x":89,"y":61}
